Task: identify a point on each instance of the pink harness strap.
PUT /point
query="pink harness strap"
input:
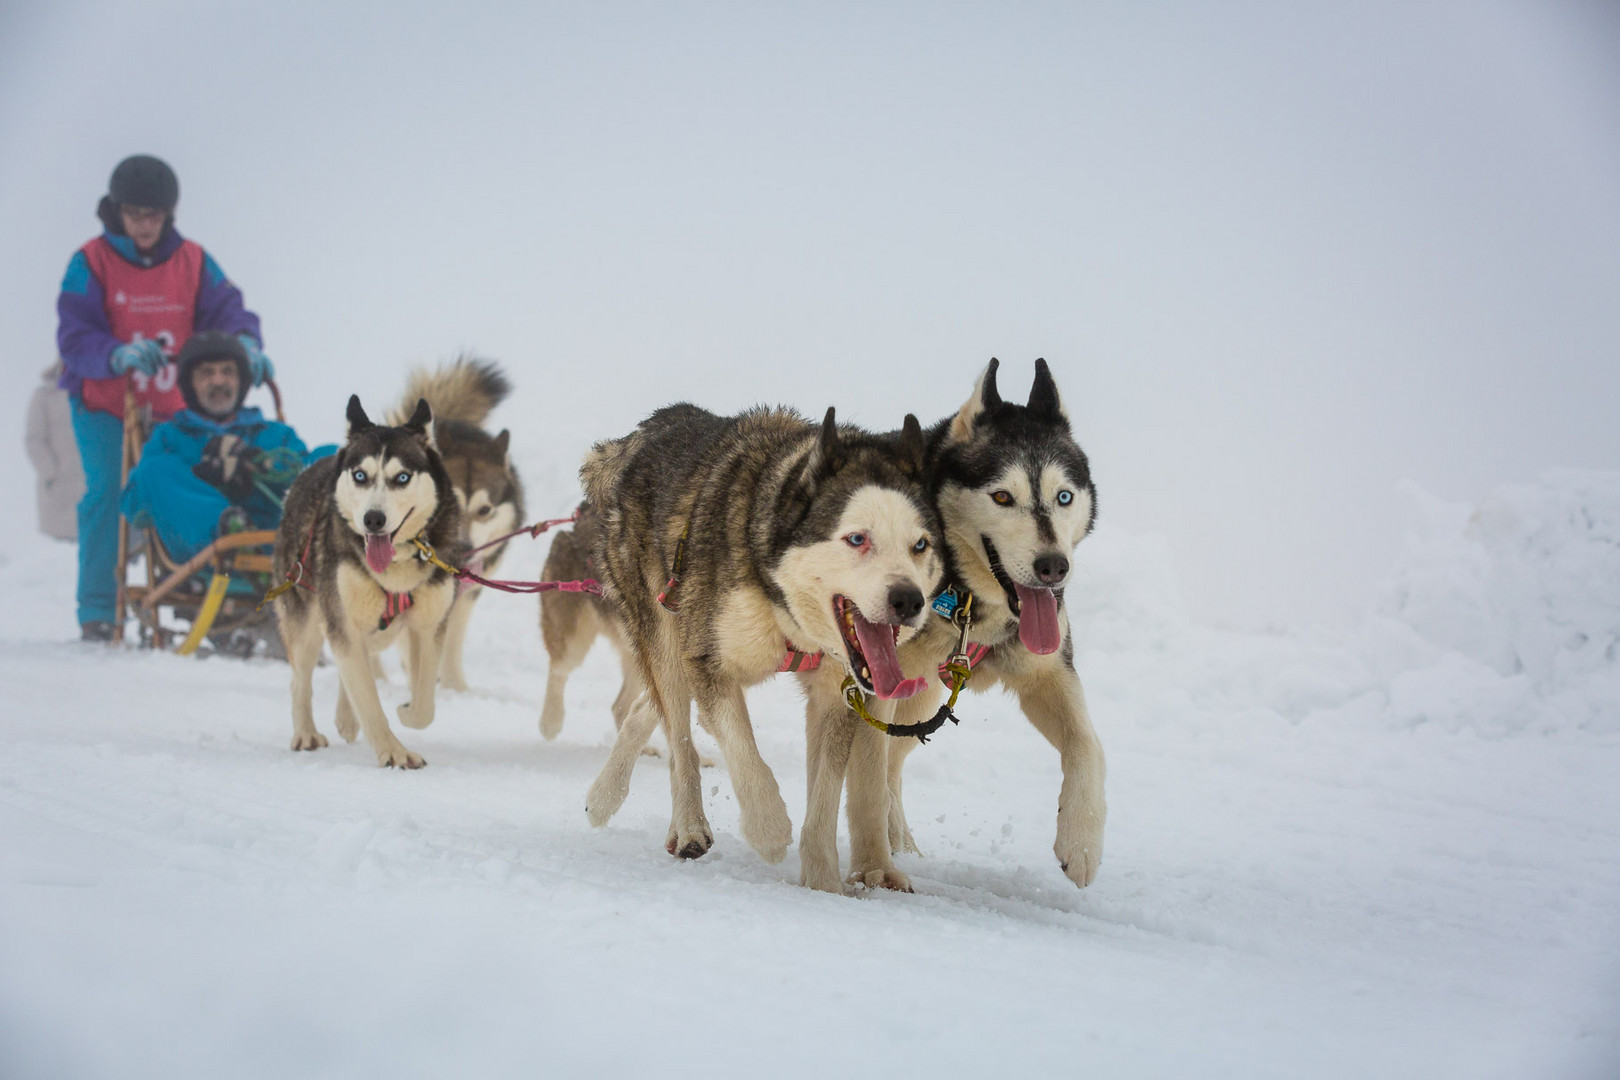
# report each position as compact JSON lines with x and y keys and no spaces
{"x":395,"y":605}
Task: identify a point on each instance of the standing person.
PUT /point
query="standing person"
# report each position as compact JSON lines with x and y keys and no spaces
{"x":130,"y":299}
{"x":55,"y":454}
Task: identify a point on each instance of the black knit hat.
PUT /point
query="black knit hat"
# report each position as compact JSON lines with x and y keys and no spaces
{"x":206,"y":345}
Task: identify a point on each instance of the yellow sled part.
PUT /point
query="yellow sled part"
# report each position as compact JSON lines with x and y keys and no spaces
{"x":206,"y":614}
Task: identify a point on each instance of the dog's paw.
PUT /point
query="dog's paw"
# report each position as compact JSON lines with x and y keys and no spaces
{"x":768,"y":829}
{"x":607,"y":794}
{"x":415,"y":718}
{"x":1079,"y":851}
{"x":884,"y":877}
{"x":453,"y":680}
{"x":551,"y":723}
{"x":816,"y":874}
{"x":397,"y":757}
{"x":691,"y":841}
{"x":313,"y":741}
{"x":653,"y":751}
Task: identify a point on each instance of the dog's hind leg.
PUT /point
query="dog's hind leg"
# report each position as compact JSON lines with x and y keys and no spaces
{"x":347,"y":725}
{"x":425,"y":642}
{"x":1055,"y":703}
{"x":765,"y":822}
{"x":455,"y":638}
{"x":354,"y":671}
{"x":612,"y":784}
{"x":827,"y":728}
{"x":302,"y":638}
{"x":568,"y":628}
{"x":690,"y":836}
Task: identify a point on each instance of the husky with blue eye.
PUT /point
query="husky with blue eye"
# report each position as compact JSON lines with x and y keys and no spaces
{"x":1015,"y":497}
{"x":724,"y":543}
{"x":356,"y":577}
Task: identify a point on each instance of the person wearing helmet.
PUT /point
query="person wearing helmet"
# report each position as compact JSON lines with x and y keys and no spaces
{"x":217,"y":466}
{"x":130,"y":300}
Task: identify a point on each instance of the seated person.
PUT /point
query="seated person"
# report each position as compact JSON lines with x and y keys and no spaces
{"x":217,"y":467}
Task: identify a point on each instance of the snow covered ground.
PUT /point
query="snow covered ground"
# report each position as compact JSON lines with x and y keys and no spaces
{"x":1392,"y":851}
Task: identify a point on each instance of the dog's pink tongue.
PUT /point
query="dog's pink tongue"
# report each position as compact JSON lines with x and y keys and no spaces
{"x":877,"y":642}
{"x":1038,"y":620}
{"x":379,"y":552}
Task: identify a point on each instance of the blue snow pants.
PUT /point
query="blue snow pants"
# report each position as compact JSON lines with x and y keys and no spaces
{"x":101,"y":448}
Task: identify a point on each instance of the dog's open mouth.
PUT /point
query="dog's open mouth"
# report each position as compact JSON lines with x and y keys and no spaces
{"x":380,"y":546}
{"x":872,"y":654}
{"x":1036,"y":608}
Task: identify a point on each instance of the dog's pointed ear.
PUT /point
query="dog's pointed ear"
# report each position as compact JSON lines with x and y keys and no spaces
{"x":983,"y":399}
{"x":1043,"y":396}
{"x":826,"y":456}
{"x":421,"y":422}
{"x":913,"y":448}
{"x":502,"y":445}
{"x":358,"y":420}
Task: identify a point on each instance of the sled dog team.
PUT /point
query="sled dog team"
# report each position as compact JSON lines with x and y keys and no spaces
{"x":886,"y":570}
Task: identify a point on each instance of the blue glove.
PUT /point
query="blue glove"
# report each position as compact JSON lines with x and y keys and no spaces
{"x":259,"y":366}
{"x":143,"y":356}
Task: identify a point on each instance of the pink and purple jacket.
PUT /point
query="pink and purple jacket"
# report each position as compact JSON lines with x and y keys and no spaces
{"x":112,"y":295}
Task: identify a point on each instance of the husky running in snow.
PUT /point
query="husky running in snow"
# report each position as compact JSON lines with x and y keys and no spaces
{"x":1014,"y":494}
{"x":487,"y":488}
{"x":766,"y":531}
{"x":346,"y":540}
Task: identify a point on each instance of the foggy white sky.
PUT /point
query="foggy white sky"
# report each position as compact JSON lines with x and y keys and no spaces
{"x":1279,"y":259}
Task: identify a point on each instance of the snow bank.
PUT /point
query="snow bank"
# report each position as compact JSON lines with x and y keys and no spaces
{"x":1502,"y":618}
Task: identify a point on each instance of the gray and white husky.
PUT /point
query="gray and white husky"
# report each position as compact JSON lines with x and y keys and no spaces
{"x":767,"y":532}
{"x":462,"y":395}
{"x":346,"y":541}
{"x":1015,"y":496}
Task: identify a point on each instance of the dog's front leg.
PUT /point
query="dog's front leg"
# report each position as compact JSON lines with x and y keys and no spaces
{"x":870,"y":861}
{"x":354,"y":672}
{"x":915,"y":710}
{"x":302,"y":637}
{"x":1053,"y":700}
{"x":765,"y":823}
{"x":827,"y":731}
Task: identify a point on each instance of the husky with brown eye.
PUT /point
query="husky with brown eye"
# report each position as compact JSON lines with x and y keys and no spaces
{"x":1014,"y":495}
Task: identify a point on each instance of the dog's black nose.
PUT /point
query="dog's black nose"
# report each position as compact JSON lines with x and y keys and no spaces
{"x":905,"y":601}
{"x":1051,"y":569}
{"x":375,"y":520}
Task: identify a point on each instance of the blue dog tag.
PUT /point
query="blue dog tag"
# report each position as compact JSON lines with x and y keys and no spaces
{"x":945,"y":603}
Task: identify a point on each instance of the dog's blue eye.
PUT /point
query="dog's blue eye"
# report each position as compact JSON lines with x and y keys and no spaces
{"x":402,"y":479}
{"x":920,"y":546}
{"x":359,"y":476}
{"x":856,"y":540}
{"x":1065,"y":497}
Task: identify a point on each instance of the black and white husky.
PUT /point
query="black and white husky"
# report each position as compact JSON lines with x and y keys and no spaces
{"x":1015,"y":496}
{"x":346,"y":541}
{"x":767,"y":532}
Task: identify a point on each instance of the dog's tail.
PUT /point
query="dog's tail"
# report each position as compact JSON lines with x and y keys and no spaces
{"x":465,"y":391}
{"x":604,"y":464}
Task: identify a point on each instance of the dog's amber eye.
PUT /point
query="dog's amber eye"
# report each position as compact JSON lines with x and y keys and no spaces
{"x":920,"y":546}
{"x":359,"y":476}
{"x":1003,"y":498}
{"x":402,"y":479}
{"x":856,"y":540}
{"x":1065,"y":497}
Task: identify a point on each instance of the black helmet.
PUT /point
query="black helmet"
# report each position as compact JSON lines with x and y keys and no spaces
{"x":146,"y":181}
{"x":208,"y":345}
